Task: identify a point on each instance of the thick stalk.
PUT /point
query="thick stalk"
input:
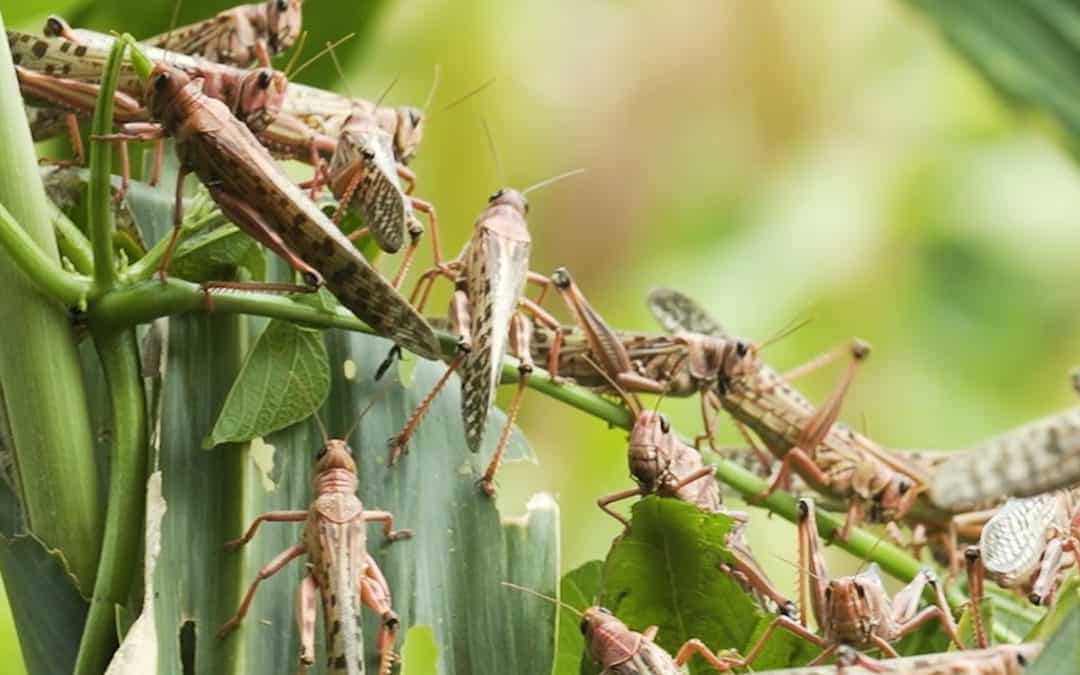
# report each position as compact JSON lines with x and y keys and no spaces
{"x":39,"y":367}
{"x":119,"y":566}
{"x":119,"y":356}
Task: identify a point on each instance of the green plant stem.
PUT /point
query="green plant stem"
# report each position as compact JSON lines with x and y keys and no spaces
{"x":119,"y":356}
{"x":99,"y":195}
{"x":117,"y":571}
{"x":42,"y":269}
{"x":44,"y":391}
{"x":73,"y":243}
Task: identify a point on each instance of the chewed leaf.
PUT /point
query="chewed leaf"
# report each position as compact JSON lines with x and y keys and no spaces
{"x":666,"y":571}
{"x":285,"y":378}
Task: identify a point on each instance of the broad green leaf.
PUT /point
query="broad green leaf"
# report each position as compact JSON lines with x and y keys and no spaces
{"x":577,"y":589}
{"x":447,"y":577}
{"x":1027,"y":49}
{"x":284,"y":379}
{"x":44,"y":602}
{"x":419,"y":653}
{"x":1062,"y":652}
{"x":665,"y":571}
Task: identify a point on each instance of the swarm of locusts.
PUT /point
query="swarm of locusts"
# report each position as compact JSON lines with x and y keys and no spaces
{"x":1007,"y":510}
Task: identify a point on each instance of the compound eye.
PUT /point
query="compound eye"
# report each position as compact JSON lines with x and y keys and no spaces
{"x":161,"y":81}
{"x":860,"y":590}
{"x":741,"y":349}
{"x":415,"y":118}
{"x":282,"y":5}
{"x":584,"y":625}
{"x":368,"y":154}
{"x":903,"y":486}
{"x":495,"y":196}
{"x":264,"y":79}
{"x":828,"y":593}
{"x":665,"y":424}
{"x":322,"y":452}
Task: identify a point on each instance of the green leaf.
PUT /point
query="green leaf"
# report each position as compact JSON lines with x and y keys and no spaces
{"x":216,"y":254}
{"x":1025,"y":48}
{"x":419,"y":654}
{"x":665,"y":571}
{"x":1062,"y":652}
{"x":44,"y":603}
{"x":577,"y":589}
{"x":284,"y":380}
{"x":447,"y":577}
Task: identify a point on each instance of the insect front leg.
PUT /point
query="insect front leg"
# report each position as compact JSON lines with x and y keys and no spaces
{"x":269,"y":570}
{"x":387,"y":519}
{"x":606,"y":500}
{"x":1046,"y":581}
{"x":307,"y":610}
{"x":749,"y":574}
{"x":269,"y":517}
{"x":375,"y":593}
{"x":416,"y":233}
{"x":906,"y":616}
{"x":694,"y":646}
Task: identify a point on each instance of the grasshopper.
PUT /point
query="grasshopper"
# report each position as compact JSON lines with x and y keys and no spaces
{"x":1037,"y":457}
{"x":853,"y":610}
{"x":830,"y":457}
{"x":1025,"y":546}
{"x":67,"y":67}
{"x":487,"y":315}
{"x":339,"y":567}
{"x":621,"y":651}
{"x":1000,"y":660}
{"x":240,"y":36}
{"x":239,"y":172}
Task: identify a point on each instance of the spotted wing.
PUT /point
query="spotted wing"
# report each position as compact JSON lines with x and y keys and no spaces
{"x":677,"y":313}
{"x":379,"y":196}
{"x":495,"y":278}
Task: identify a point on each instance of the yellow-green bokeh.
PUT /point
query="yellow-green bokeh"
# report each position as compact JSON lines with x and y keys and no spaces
{"x":776,"y":160}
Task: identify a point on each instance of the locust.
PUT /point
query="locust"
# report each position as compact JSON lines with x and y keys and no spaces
{"x":240,"y":36}
{"x":1037,"y":457}
{"x":853,"y":610}
{"x":66,"y":67}
{"x":1025,"y":546}
{"x":339,"y":567}
{"x":999,"y":660}
{"x":832,"y":458}
{"x":239,"y":173}
{"x":700,"y":357}
{"x":621,"y":651}
{"x":487,"y":314}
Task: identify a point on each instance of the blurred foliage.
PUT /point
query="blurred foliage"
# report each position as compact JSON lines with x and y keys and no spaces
{"x":835,"y":160}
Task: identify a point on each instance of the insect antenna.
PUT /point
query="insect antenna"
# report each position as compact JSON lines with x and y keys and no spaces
{"x":554,"y":601}
{"x":296,"y":53}
{"x":785,"y":331}
{"x":461,"y":99}
{"x":371,"y":404}
{"x":386,"y":92}
{"x":554,"y":179}
{"x":318,"y":55}
{"x":866,"y":558}
{"x":434,"y":88}
{"x":322,"y":427}
{"x":798,"y":567}
{"x":494,"y":151}
{"x":172,"y":23}
{"x":337,"y":67}
{"x":630,"y":400}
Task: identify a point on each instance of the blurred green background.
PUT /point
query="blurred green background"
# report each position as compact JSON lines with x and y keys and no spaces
{"x":776,"y":160}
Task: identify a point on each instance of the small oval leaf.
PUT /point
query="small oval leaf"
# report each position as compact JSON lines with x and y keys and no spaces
{"x":285,"y":378}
